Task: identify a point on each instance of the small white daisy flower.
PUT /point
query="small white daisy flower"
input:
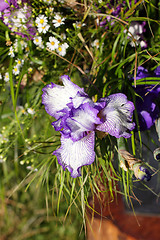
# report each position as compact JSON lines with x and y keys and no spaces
{"x":15,"y":70}
{"x":0,"y":76}
{"x":58,"y":21}
{"x":37,"y":40}
{"x":31,"y":111}
{"x":6,"y":77}
{"x":41,"y":20}
{"x":53,"y":43}
{"x":95,"y":43}
{"x":43,"y":28}
{"x":19,"y":62}
{"x":62,"y":49}
{"x":21,"y":109}
{"x":51,"y":9}
{"x":30,"y":69}
{"x":11,"y":52}
{"x":79,"y":24}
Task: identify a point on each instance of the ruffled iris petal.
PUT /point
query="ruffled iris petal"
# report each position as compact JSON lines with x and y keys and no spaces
{"x":79,"y":99}
{"x":55,"y":97}
{"x":82,"y":120}
{"x":74,"y":155}
{"x":117,"y":116}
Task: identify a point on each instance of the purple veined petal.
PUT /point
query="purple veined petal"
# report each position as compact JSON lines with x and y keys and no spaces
{"x":117,"y":116}
{"x":61,"y":121}
{"x":57,"y":124}
{"x":81,"y":121}
{"x":74,"y":155}
{"x":79,"y":99}
{"x":56,"y":97}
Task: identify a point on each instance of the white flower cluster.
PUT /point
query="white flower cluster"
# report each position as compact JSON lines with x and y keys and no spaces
{"x":43,"y":27}
{"x":16,"y":68}
{"x":135,"y":33}
{"x":42,"y":24}
{"x":54,"y":44}
{"x":49,"y":34}
{"x":15,"y":47}
{"x":26,"y":111}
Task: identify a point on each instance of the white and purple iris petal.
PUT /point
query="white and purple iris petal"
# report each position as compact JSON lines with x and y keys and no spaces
{"x":117,"y":116}
{"x":56,"y":97}
{"x":81,"y":121}
{"x":73,"y":155}
{"x":78,"y":117}
{"x":79,"y":99}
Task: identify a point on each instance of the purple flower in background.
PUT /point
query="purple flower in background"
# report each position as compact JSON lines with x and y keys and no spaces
{"x":18,"y":17}
{"x":113,"y":8}
{"x":4,"y":5}
{"x":136,"y":29}
{"x":146,"y":103}
{"x":77,"y":119}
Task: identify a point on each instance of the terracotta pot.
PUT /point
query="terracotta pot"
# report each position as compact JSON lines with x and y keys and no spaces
{"x":110,"y":221}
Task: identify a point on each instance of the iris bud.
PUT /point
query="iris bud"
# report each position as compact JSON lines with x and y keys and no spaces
{"x":141,"y":172}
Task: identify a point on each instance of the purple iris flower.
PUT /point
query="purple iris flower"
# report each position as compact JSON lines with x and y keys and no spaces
{"x":77,"y":119}
{"x":18,"y":18}
{"x":146,"y":103}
